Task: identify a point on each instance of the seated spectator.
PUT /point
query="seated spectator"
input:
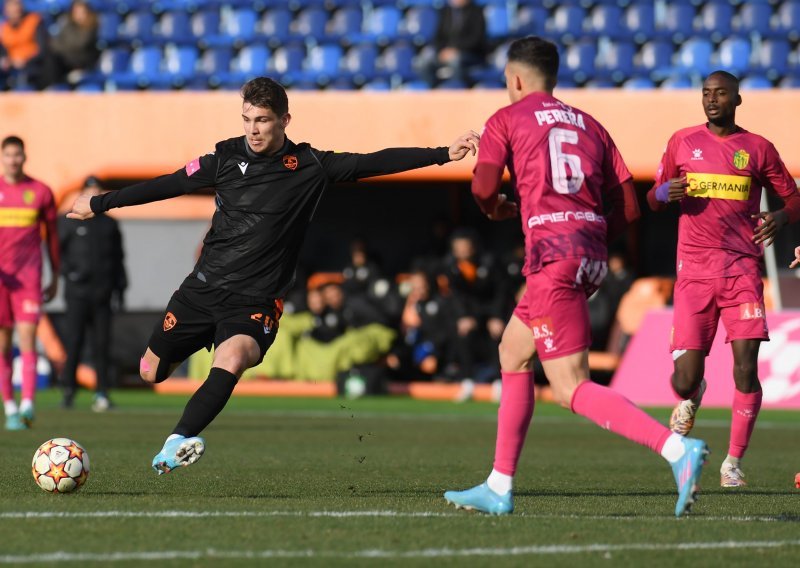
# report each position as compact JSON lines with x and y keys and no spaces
{"x":23,"y":39}
{"x":459,"y":43}
{"x":73,"y":50}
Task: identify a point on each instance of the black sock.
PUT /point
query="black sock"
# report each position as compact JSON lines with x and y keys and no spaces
{"x":206,"y":402}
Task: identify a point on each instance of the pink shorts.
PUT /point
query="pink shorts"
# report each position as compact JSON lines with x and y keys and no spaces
{"x":19,"y":305}
{"x":739,"y":300}
{"x":555,"y":307}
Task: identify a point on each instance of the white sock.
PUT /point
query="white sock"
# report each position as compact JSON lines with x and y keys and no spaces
{"x":500,"y":483}
{"x":10,"y":407}
{"x":673,"y":449}
{"x":172,"y":437}
{"x":732,"y":460}
{"x":25,"y":404}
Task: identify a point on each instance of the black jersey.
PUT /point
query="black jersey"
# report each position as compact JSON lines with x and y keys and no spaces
{"x":264,"y":205}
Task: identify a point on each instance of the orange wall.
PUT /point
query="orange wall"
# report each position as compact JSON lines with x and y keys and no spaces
{"x":70,"y":135}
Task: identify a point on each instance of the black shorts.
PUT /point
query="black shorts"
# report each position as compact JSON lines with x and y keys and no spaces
{"x":199,"y":315}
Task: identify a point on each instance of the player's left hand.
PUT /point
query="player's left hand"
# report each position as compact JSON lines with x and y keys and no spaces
{"x":771,"y":222}
{"x":468,"y":143}
{"x":50,"y":290}
{"x":503,"y":209}
{"x":796,"y":261}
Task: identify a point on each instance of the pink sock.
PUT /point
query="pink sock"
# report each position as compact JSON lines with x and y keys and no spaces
{"x":28,"y":375}
{"x":6,"y":388}
{"x":612,"y":411}
{"x":743,"y":418}
{"x":513,"y":419}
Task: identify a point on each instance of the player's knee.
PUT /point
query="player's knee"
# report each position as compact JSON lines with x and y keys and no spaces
{"x":685,"y":384}
{"x":511,"y":359}
{"x":745,"y":375}
{"x":146,"y":371}
{"x":562,"y":395}
{"x":235,"y":362}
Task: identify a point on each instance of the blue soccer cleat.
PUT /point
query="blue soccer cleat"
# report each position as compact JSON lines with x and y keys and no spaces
{"x":178,"y":452}
{"x":15,"y":423}
{"x":27,"y":416}
{"x":481,"y":498}
{"x":687,"y":472}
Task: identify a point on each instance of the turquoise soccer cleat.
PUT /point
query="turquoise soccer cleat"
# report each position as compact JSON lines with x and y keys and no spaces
{"x":481,"y":498}
{"x":178,"y":452}
{"x":27,"y":416}
{"x":15,"y":423}
{"x":687,"y":472}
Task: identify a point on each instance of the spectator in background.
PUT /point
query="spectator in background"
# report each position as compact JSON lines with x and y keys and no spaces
{"x":25,"y":205}
{"x":73,"y":50}
{"x":366,"y":288}
{"x":604,"y":303}
{"x":23,"y":39}
{"x":95,"y":280}
{"x":460,"y":43}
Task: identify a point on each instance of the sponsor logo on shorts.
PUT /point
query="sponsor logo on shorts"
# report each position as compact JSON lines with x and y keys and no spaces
{"x":170,"y":321}
{"x":543,"y":329}
{"x":290,"y":162}
{"x":751,"y":311}
{"x":268,"y":322}
{"x":30,"y":307}
{"x":741,"y":159}
{"x":549,"y":345}
{"x":718,"y":186}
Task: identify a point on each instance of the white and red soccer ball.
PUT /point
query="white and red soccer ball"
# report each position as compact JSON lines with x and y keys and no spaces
{"x":60,"y":465}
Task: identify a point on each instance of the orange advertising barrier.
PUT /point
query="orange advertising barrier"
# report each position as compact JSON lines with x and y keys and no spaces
{"x":139,"y":135}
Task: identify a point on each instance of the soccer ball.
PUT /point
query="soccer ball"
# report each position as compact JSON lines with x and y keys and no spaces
{"x":60,"y":465}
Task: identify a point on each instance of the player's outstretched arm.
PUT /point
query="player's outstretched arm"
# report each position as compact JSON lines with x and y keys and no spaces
{"x":796,"y":262}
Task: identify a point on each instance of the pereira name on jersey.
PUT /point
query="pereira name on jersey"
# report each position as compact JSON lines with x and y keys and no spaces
{"x":725,"y":177}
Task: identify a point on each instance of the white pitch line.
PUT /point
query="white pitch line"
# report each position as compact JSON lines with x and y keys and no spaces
{"x":33,"y":515}
{"x":553,"y":549}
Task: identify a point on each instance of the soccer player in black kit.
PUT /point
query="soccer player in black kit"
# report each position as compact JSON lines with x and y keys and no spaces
{"x":267,"y":188}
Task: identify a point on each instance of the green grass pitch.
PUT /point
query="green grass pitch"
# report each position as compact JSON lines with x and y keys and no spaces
{"x":295,"y":482}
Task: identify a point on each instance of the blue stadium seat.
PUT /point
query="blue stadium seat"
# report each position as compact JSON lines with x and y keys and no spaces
{"x":772,"y":58}
{"x":452,"y":84}
{"x":114,"y":60}
{"x":310,"y":23}
{"x":754,"y":18}
{"x":755,"y":82}
{"x":108,"y":30}
{"x":322,"y":63}
{"x":174,"y":27}
{"x":579,"y":60}
{"x":239,"y":25}
{"x":638,"y":83}
{"x":606,"y":20}
{"x":497,"y":21}
{"x":181,"y":61}
{"x":205,"y":24}
{"x":694,"y":56}
{"x":788,"y":19}
{"x":530,"y":20}
{"x":345,"y":23}
{"x":655,"y":58}
{"x":615,"y":61}
{"x":359,"y":62}
{"x":599,"y":84}
{"x":397,"y":61}
{"x":382,"y":24}
{"x":640,"y":21}
{"x":215,"y":64}
{"x":715,"y":20}
{"x":678,"y":22}
{"x":790,"y":82}
{"x":137,"y":27}
{"x":144,"y":69}
{"x":733,"y":55}
{"x":251,"y":60}
{"x":341,"y":84}
{"x":567,"y":22}
{"x":678,"y":81}
{"x":275,"y":26}
{"x":378,"y":85}
{"x":419,"y":24}
{"x":287,"y":61}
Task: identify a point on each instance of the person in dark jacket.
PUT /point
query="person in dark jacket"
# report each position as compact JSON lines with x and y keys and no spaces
{"x":73,"y":49}
{"x":95,"y":279}
{"x":460,"y":43}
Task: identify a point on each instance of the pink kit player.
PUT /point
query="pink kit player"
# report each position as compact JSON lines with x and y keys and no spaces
{"x":716,"y":171}
{"x":25,"y":204}
{"x":563,"y":165}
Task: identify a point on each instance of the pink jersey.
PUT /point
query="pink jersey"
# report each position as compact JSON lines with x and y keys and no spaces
{"x":561,"y":162}
{"x":725,"y":177}
{"x":23,"y":208}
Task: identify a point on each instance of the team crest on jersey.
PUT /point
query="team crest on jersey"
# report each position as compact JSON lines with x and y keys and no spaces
{"x":28,"y":196}
{"x":170,"y":321}
{"x":741,"y":159}
{"x":290,"y":162}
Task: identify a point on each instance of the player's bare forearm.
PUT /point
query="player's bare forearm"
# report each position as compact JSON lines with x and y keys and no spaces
{"x":486,"y":183}
{"x":624,"y":211}
{"x":769,"y":225}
